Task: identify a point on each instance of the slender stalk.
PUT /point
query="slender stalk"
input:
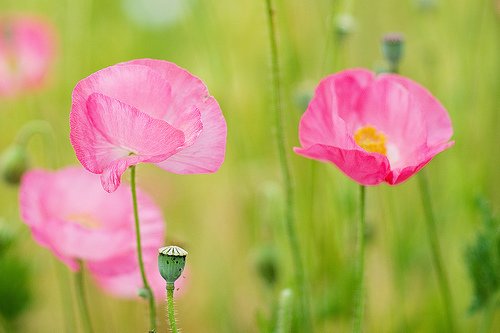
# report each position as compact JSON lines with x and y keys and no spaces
{"x":170,"y":308}
{"x":148,"y":292}
{"x":82,"y":301}
{"x":285,"y":170}
{"x":359,"y":309}
{"x":436,"y":253}
{"x":489,"y":314}
{"x":67,"y":304}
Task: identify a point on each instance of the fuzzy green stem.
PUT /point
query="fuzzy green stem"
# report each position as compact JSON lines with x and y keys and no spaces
{"x":284,"y":324}
{"x":359,"y":309}
{"x":170,"y":308}
{"x":436,"y":253}
{"x":148,"y":292}
{"x":82,"y":300}
{"x":285,"y":170}
{"x":67,"y":304}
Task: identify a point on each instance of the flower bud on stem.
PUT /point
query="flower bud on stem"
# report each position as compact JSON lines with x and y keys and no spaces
{"x":171,"y":262}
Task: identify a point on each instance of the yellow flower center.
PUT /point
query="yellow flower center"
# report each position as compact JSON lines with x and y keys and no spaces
{"x":85,"y":220}
{"x":371,"y":140}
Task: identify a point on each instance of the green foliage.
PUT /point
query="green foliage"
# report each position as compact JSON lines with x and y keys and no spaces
{"x":15,"y":294}
{"x":482,"y":260}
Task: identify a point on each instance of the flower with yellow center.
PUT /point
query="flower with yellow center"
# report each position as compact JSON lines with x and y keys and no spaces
{"x":371,"y":140}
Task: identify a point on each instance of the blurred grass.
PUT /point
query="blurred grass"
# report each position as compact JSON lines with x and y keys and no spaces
{"x":222,"y":219}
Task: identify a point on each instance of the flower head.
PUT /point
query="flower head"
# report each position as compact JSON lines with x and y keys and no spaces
{"x":146,"y":111}
{"x":26,"y":51}
{"x":374,"y":129}
{"x":71,"y":215}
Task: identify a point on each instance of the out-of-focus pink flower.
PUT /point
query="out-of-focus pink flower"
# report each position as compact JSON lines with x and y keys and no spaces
{"x":124,"y":279}
{"x":146,"y":111}
{"x":27,"y":47}
{"x":70,"y":214}
{"x":374,"y":129}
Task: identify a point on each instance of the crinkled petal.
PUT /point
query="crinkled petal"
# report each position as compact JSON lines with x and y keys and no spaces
{"x":109,"y":136}
{"x":136,"y":86}
{"x":365,"y":168}
{"x":207,"y":152}
{"x":399,"y":175}
{"x":437,"y":120}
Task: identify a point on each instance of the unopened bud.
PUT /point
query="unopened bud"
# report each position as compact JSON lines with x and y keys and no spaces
{"x":426,"y":4}
{"x":171,"y":262}
{"x":393,"y":48}
{"x":13,"y":164}
{"x":345,"y":24}
{"x":266,"y":262}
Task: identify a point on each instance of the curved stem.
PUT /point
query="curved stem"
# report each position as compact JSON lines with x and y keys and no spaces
{"x":359,"y":310}
{"x":149,"y":293}
{"x":82,"y":301}
{"x":285,"y":170}
{"x":170,"y":308}
{"x":436,"y":253}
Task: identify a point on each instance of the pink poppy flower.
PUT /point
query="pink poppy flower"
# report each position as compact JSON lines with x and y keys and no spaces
{"x":374,"y":128}
{"x":146,"y":111}
{"x":69,"y":213}
{"x":26,"y":51}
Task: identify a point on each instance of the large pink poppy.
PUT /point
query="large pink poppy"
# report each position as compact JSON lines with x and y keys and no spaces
{"x":146,"y":111}
{"x":26,"y":51}
{"x":69,"y":213}
{"x":374,"y":128}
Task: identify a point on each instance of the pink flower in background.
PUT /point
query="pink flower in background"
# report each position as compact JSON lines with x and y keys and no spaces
{"x":70,"y":214}
{"x":146,"y":111}
{"x":374,"y":129}
{"x":26,"y":51}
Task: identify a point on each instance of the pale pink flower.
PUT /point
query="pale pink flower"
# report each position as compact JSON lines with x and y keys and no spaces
{"x":27,"y":47}
{"x":70,"y":214}
{"x":374,"y":128}
{"x":146,"y":111}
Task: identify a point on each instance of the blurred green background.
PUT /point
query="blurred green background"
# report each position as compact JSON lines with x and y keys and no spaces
{"x":230,"y":221}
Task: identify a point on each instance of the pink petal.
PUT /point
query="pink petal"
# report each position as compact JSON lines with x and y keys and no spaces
{"x":26,"y":52}
{"x":329,"y":117}
{"x":437,"y":120}
{"x":207,"y":152}
{"x":52,"y":202}
{"x":399,"y":175}
{"x":107,"y":132}
{"x":365,"y":168}
{"x":137,"y":86}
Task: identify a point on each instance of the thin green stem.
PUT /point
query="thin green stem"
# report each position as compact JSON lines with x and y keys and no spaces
{"x":82,"y":300}
{"x":170,"y":308}
{"x":436,"y":253}
{"x":67,"y":304}
{"x":148,"y":292}
{"x":489,"y":314}
{"x":359,"y":310}
{"x":285,"y":170}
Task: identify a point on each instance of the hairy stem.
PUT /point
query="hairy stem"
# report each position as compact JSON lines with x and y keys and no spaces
{"x":170,"y":308}
{"x":285,"y":170}
{"x":359,"y":309}
{"x":82,"y":300}
{"x":436,"y":253}
{"x":148,"y":292}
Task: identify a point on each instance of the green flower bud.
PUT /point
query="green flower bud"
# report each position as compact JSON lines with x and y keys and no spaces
{"x":345,"y":24}
{"x":266,"y":262}
{"x":171,"y":262}
{"x":13,"y":164}
{"x":392,"y":49}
